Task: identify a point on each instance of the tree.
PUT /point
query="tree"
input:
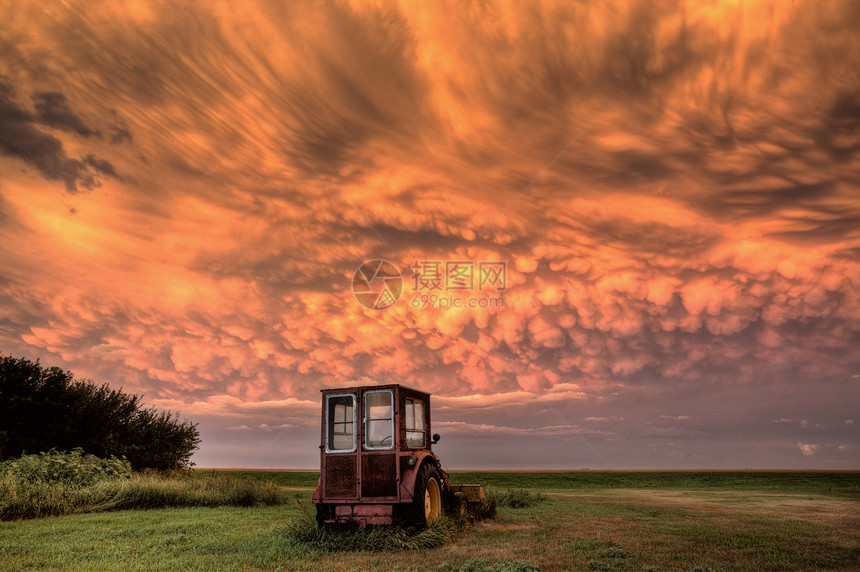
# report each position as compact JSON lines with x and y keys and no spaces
{"x":47,"y":408}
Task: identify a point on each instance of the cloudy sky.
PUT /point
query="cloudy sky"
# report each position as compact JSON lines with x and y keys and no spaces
{"x":669,"y":196}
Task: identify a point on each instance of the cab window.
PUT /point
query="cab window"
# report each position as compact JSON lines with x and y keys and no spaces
{"x":378,"y":419}
{"x":340,"y":423}
{"x":415,"y":434}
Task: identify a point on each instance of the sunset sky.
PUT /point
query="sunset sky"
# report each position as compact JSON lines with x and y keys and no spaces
{"x":671,"y":190}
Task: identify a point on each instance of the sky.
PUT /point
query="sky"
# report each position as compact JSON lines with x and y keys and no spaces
{"x":611,"y":235}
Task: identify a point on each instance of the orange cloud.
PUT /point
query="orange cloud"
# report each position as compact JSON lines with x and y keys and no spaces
{"x":673,"y":207}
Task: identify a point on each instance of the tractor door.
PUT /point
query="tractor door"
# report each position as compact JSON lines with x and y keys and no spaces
{"x":379,"y":474}
{"x":340,"y":458}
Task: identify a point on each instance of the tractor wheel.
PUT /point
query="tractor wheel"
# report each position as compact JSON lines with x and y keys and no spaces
{"x":427,"y":504}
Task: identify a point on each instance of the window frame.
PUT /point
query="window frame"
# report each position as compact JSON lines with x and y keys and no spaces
{"x":423,"y":426}
{"x":328,"y":398}
{"x":366,"y":419}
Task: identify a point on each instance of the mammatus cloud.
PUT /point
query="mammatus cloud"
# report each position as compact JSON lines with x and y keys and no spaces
{"x":685,"y":272}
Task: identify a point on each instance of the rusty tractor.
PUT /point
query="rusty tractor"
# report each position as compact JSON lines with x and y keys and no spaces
{"x":376,"y":462}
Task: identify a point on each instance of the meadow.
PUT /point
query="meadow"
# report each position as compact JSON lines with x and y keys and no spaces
{"x":637,"y":521}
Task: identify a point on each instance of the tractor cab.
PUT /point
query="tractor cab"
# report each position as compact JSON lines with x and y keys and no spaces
{"x":376,"y":462}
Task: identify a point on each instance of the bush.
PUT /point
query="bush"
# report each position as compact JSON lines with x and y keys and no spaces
{"x":72,"y":468}
{"x":44,"y":408}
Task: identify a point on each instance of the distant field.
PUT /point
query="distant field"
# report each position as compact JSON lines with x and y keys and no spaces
{"x":642,"y":522}
{"x":844,"y":484}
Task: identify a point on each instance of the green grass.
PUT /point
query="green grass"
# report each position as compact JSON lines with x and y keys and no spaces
{"x":671,"y":528}
{"x":846,"y":484}
{"x":304,"y":531}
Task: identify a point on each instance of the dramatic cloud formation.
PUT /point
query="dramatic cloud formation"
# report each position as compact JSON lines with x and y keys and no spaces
{"x":670,"y":191}
{"x":21,"y":138}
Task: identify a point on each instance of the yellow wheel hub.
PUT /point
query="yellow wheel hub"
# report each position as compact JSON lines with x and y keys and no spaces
{"x":432,"y":501}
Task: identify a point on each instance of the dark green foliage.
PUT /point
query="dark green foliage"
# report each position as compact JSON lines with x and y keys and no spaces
{"x":46,"y":408}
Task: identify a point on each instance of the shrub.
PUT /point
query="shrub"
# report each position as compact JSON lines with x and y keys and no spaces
{"x":73,"y":468}
{"x":44,"y":408}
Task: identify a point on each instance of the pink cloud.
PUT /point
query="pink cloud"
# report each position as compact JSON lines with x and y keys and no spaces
{"x":808,"y":449}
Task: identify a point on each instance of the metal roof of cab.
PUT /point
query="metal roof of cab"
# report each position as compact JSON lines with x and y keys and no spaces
{"x":381,"y":386}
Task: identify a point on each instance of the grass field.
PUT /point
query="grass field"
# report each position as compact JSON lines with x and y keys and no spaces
{"x":589,"y":521}
{"x":846,"y":484}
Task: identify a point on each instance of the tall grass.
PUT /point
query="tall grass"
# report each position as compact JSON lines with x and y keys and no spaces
{"x":520,"y":498}
{"x":67,"y":467}
{"x":53,"y":484}
{"x":157,"y":491}
{"x":19,"y":499}
{"x":392,"y":538}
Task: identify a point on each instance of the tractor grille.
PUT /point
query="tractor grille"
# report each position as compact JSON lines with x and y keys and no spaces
{"x":340,"y":476}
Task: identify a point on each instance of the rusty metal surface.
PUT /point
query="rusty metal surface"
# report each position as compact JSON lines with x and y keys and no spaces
{"x":370,"y":477}
{"x":362,"y":514}
{"x":379,"y":475}
{"x":340,"y":477}
{"x":408,"y":474}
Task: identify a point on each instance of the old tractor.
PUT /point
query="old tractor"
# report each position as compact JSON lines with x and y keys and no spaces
{"x":376,"y":462}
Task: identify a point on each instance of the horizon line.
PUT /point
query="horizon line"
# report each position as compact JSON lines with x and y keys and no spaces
{"x":744,"y":470}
